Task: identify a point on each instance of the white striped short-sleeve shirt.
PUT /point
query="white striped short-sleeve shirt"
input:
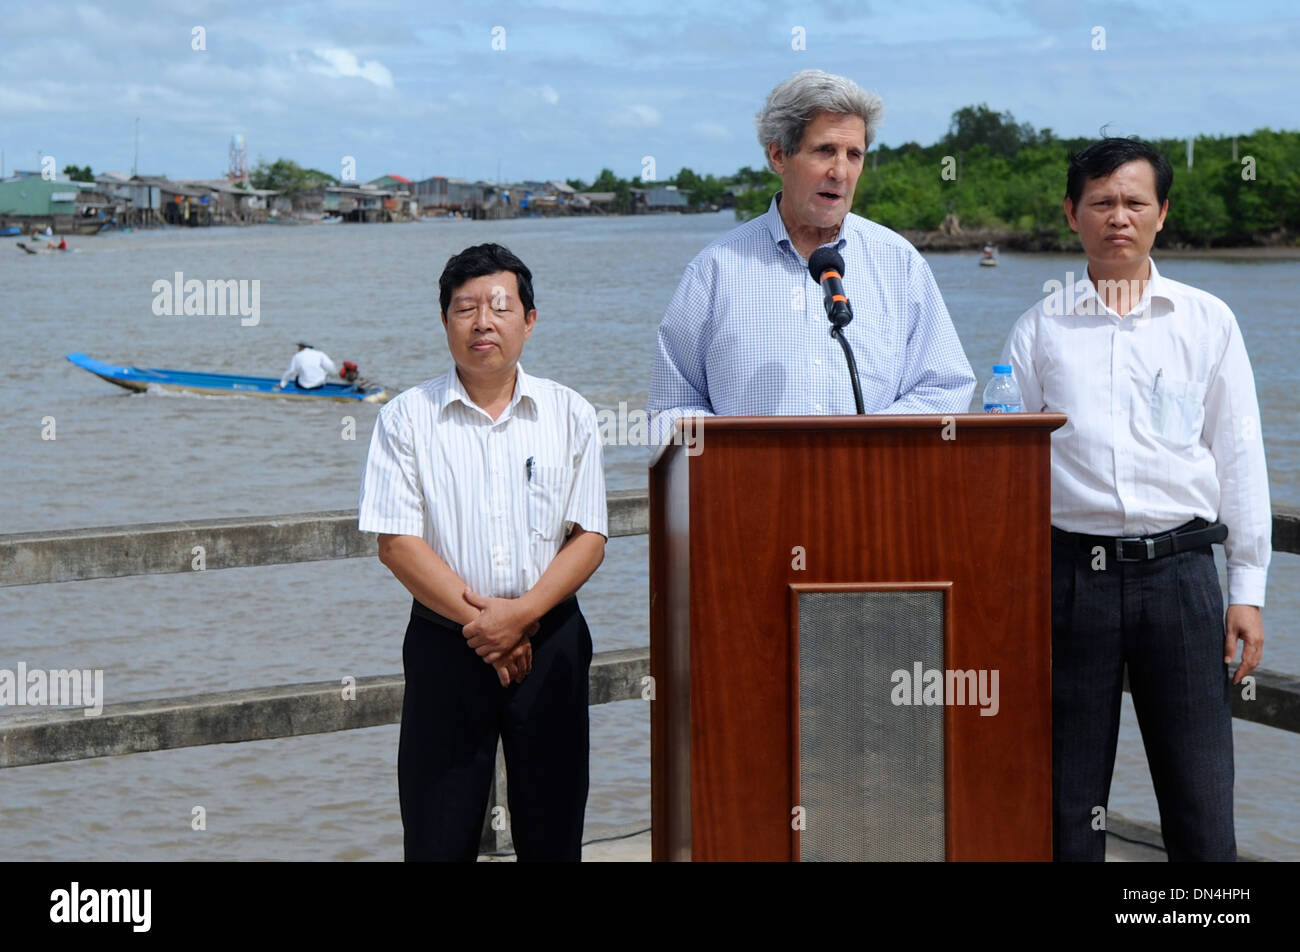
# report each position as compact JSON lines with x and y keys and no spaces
{"x":494,"y":499}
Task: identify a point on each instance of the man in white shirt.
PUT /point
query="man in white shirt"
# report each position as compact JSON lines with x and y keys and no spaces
{"x":1161,"y":453}
{"x":486,"y":486}
{"x":308,"y":369}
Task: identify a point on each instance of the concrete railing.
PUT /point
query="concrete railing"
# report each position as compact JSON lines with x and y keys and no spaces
{"x":233,"y":717}
{"x":51,"y":736}
{"x":159,"y":548}
{"x":71,"y":555}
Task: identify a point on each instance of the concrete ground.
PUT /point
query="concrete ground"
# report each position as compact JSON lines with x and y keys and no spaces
{"x":1126,"y":842}
{"x":626,"y":844}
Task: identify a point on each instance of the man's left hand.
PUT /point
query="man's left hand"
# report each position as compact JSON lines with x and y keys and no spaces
{"x":516,"y":665}
{"x":1244,"y":623}
{"x":498,"y":628}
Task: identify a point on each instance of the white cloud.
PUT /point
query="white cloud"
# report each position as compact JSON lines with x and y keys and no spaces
{"x":342,"y":63}
{"x":549,"y":95}
{"x":712,"y":130}
{"x":636,"y":117}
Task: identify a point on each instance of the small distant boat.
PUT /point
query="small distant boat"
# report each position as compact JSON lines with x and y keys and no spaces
{"x":989,"y":259}
{"x":10,"y":231}
{"x":47,"y":250}
{"x":144,"y":378}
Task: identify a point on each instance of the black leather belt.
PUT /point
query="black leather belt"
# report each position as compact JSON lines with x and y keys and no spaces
{"x":420,"y":610}
{"x":1191,"y":535}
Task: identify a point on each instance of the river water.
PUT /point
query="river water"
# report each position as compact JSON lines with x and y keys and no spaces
{"x":369,"y":293}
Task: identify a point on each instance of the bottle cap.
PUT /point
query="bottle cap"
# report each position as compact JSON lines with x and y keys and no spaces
{"x":1002,"y":368}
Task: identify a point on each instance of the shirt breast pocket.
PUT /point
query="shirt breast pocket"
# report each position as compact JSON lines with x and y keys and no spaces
{"x":547,"y":494}
{"x":1178,"y":410}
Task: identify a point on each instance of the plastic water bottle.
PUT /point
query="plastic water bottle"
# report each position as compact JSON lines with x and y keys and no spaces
{"x":1002,"y":395}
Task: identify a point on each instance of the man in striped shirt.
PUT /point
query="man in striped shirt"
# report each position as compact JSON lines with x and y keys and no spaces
{"x":487,"y":490}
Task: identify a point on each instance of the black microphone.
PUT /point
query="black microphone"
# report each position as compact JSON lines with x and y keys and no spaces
{"x":827,"y":268}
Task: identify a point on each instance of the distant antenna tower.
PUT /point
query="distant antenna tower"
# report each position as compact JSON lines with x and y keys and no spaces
{"x":238,"y":159}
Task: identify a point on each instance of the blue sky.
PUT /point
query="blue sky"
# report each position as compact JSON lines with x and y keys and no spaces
{"x":418,"y":89}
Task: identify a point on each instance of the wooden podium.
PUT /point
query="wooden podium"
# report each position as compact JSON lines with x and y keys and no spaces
{"x":850,"y":638}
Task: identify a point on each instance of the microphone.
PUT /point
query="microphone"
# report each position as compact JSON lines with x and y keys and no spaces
{"x":827,"y":268}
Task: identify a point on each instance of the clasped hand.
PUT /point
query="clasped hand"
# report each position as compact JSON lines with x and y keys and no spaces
{"x":501,"y":636}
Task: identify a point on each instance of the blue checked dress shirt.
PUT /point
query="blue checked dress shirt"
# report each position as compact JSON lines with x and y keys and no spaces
{"x":746,"y":333}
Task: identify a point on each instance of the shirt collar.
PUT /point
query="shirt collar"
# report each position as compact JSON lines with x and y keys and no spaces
{"x":1158,"y":287}
{"x":525,"y":389}
{"x":781,"y":237}
{"x":1087,"y":301}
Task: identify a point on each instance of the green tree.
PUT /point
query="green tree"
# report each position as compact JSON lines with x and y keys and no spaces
{"x":287,"y":177}
{"x":704,"y":192}
{"x":686,"y":179}
{"x":758,"y":178}
{"x":710,"y":191}
{"x":79,"y":173}
{"x":979,"y":125}
{"x":607,"y":181}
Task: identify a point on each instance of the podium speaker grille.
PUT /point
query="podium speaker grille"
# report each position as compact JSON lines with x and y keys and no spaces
{"x":871,"y":773}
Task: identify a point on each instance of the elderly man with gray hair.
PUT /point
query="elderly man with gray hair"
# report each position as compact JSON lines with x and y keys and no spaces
{"x":746,"y":334}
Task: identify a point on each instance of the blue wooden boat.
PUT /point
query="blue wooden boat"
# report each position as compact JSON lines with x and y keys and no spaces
{"x":10,"y":231}
{"x":143,"y":378}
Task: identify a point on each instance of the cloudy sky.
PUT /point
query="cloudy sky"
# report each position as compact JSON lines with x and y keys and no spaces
{"x":561,"y":88}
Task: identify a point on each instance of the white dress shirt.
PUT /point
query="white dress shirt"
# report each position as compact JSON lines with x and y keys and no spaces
{"x":1163,"y":419}
{"x":310,"y":366}
{"x":494,"y":499}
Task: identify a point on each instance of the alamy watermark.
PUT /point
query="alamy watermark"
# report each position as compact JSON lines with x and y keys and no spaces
{"x":75,"y":904}
{"x":37,"y":687}
{"x":633,"y":427}
{"x":1078,"y":296}
{"x":213,"y":298}
{"x":947,"y":688}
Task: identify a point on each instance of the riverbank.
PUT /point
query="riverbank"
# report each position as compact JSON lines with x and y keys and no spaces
{"x":975,"y":239}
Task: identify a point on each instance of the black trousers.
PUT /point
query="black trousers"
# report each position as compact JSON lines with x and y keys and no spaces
{"x":453,"y":712}
{"x":1162,"y":618}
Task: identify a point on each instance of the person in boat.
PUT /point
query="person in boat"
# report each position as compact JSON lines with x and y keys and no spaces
{"x":487,"y":490}
{"x":745,"y":333}
{"x":1162,"y":457}
{"x":308,"y":369}
{"x":63,"y":243}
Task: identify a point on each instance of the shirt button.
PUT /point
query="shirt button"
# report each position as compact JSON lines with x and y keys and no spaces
{"x":817,"y":406}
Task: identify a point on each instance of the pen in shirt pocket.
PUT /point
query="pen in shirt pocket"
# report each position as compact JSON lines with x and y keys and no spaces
{"x":1156,"y":385}
{"x":528,"y":468}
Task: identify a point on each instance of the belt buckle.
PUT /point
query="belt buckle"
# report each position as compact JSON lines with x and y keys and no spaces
{"x":1119,"y":548}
